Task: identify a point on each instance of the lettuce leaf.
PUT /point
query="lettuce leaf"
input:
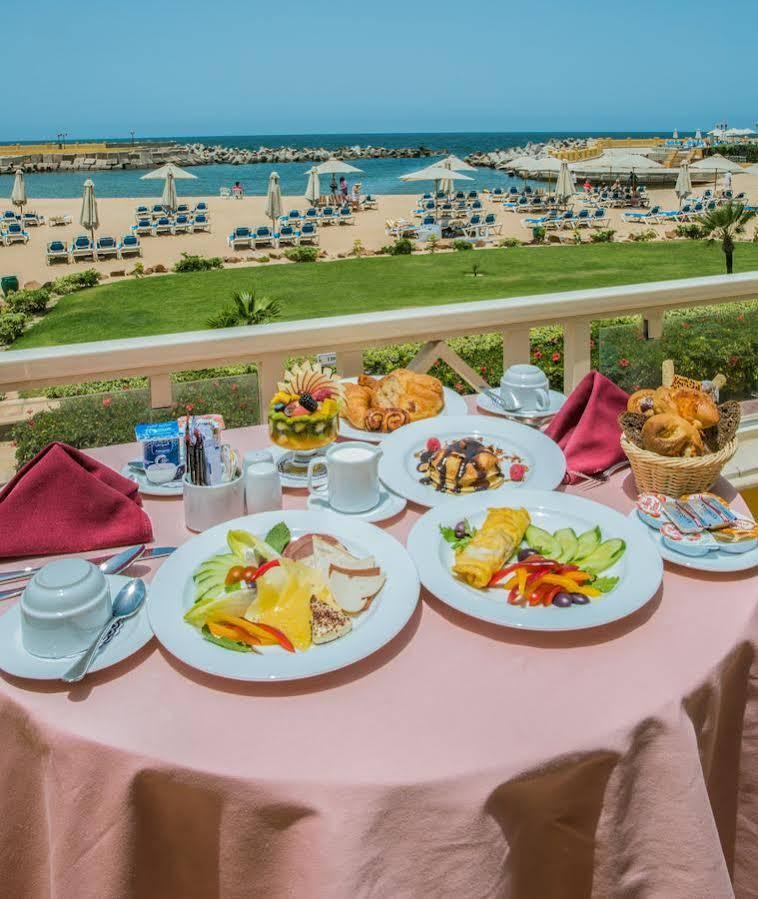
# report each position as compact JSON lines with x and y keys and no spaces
{"x":605,"y":584}
{"x":279,"y":537}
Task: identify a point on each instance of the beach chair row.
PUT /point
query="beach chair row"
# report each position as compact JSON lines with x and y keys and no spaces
{"x":585,"y":218}
{"x":176,"y":224}
{"x":158,"y":211}
{"x":25,"y":219}
{"x":84,"y":249}
{"x":244,"y":237}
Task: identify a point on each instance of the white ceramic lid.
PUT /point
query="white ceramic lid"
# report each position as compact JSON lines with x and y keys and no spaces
{"x":63,"y":588}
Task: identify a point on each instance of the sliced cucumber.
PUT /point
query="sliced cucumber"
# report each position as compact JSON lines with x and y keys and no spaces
{"x":604,"y":556}
{"x":568,"y":543}
{"x":587,"y":543}
{"x":543,"y":542}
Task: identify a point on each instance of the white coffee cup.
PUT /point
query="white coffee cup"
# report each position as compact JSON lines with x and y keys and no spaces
{"x":352,"y":476}
{"x":525,"y":388}
{"x":263,"y":487}
{"x":205,"y":507}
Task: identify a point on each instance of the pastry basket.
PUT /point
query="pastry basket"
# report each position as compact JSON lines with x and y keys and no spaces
{"x":676,"y":476}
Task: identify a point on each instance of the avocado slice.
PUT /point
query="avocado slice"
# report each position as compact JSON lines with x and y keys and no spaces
{"x":568,"y":543}
{"x":543,"y":542}
{"x":587,"y":542}
{"x":604,"y":556}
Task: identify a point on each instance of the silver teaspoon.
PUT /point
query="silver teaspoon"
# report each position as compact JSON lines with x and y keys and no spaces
{"x":128,"y":601}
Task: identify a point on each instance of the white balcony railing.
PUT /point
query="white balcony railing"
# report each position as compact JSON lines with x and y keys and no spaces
{"x":348,"y":335}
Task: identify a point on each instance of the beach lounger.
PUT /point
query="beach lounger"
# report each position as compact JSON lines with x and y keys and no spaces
{"x":294,"y":217}
{"x":497,"y":195}
{"x":369,"y":202}
{"x":225,"y":193}
{"x":157,"y":211}
{"x":428,"y":220}
{"x":600,"y":219}
{"x":309,"y":233}
{"x":129,"y":246}
{"x":106,"y":247}
{"x":287,"y":236}
{"x":346,"y":216}
{"x":399,"y":228}
{"x":650,"y":216}
{"x":31,"y":218}
{"x":183,"y":209}
{"x":182,"y":224}
{"x":582,"y":218}
{"x":475,"y":227}
{"x":56,"y":220}
{"x":491,"y":223}
{"x":327,"y":215}
{"x":566,"y":219}
{"x":9,"y":216}
{"x":476,"y":206}
{"x":14,"y":233}
{"x":311,"y":215}
{"x":202,"y":208}
{"x":473,"y":195}
{"x":141,"y":211}
{"x":82,"y":248}
{"x":201,"y":222}
{"x":240,"y":238}
{"x":263,"y":236}
{"x":56,"y":252}
{"x":163,"y":225}
{"x":144,"y":228}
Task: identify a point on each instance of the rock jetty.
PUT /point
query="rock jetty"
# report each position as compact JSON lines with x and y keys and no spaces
{"x":147,"y":156}
{"x":499,"y":159}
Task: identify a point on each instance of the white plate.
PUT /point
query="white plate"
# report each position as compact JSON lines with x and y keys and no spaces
{"x":455,"y":404}
{"x":389,"y":505}
{"x":717,"y":561}
{"x":489,"y":405}
{"x":172,"y":589}
{"x":14,"y":659}
{"x":640,"y":570}
{"x":397,"y":467}
{"x":173,"y":488}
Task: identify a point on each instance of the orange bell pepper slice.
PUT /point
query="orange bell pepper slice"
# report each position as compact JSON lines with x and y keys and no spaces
{"x":219,"y":629}
{"x":264,"y":633}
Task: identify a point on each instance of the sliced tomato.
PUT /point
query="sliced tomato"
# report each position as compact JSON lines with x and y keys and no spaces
{"x":234,"y":575}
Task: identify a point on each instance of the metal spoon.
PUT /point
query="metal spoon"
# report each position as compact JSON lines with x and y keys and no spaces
{"x":128,"y":601}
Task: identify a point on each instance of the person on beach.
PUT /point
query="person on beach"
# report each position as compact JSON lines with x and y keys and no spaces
{"x":238,"y":191}
{"x":343,"y":190}
{"x":356,"y":195}
{"x":587,"y":186}
{"x":726,"y":184}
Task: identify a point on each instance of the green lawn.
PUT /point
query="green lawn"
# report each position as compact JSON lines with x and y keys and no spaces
{"x":167,"y":304}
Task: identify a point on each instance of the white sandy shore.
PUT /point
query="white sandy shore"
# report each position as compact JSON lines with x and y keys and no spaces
{"x":117,"y":215}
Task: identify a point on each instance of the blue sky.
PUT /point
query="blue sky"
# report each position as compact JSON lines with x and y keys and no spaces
{"x":173,"y":67}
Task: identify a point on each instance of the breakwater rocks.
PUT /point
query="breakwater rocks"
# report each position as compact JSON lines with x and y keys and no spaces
{"x":499,"y":159}
{"x":146,"y":156}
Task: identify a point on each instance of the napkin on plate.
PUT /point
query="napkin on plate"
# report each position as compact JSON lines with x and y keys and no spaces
{"x":586,"y":428}
{"x":64,"y":501}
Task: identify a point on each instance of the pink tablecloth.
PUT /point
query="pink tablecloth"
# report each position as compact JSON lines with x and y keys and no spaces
{"x":462,"y":760}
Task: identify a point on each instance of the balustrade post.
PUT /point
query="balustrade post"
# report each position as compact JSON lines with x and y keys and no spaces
{"x":350,"y":363}
{"x":515,"y":346}
{"x":160,"y":391}
{"x":576,"y":352}
{"x":270,"y":372}
{"x":652,"y":324}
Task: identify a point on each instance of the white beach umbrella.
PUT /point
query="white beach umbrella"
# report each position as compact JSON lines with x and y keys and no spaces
{"x":273,"y":199}
{"x":564,"y":186}
{"x":456,"y":164}
{"x":675,"y":135}
{"x":636,"y":161}
{"x":683,"y":186}
{"x":313,"y":190}
{"x":439,"y":174}
{"x":169,"y":169}
{"x":698,"y":134}
{"x":716,"y":165}
{"x":335,"y":167}
{"x":88,"y":217}
{"x":18,"y":194}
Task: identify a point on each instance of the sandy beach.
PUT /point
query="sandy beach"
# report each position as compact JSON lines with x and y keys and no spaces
{"x":28,"y":261}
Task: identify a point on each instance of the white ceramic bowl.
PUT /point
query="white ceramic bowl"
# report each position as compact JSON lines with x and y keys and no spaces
{"x":63,"y":607}
{"x":161,"y":472}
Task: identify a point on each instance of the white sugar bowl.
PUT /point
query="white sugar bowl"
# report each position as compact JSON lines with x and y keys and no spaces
{"x":63,"y":607}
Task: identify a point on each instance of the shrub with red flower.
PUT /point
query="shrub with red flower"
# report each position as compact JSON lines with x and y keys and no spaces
{"x":107,"y":400}
{"x":624,"y":363}
{"x":556,"y":357}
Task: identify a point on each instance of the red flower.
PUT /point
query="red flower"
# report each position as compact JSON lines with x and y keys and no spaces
{"x":483,"y":370}
{"x":686,"y":325}
{"x":189,"y":407}
{"x":458,"y":386}
{"x":624,"y":363}
{"x":107,"y":400}
{"x":538,"y":354}
{"x":733,"y":360}
{"x":740,"y":318}
{"x":556,"y":357}
{"x":234,"y":387}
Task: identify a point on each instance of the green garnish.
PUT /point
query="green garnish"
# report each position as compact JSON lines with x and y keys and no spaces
{"x":279,"y":537}
{"x":458,"y":543}
{"x":605,"y":584}
{"x":225,"y":642}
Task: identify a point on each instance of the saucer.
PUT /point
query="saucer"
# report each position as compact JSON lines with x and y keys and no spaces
{"x":389,"y":504}
{"x":531,"y":416}
{"x":290,"y":477}
{"x":14,"y":659}
{"x":147,"y":488}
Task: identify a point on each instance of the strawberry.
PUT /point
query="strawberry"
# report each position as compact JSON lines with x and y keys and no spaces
{"x":517,"y":472}
{"x":432,"y":445}
{"x":323,"y":393}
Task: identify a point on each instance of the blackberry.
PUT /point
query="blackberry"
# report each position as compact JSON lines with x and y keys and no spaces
{"x":308,"y":402}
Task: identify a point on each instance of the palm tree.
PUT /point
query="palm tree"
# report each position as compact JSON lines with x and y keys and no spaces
{"x":726,"y":223}
{"x":247,"y":309}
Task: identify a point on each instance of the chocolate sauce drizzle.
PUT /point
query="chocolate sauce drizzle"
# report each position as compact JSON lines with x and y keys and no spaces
{"x":467,"y":451}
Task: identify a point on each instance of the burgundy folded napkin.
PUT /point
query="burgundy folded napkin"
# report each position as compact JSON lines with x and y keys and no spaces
{"x":64,"y":501}
{"x":586,"y":428}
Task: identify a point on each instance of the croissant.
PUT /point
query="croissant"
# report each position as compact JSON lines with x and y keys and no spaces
{"x":357,"y":403}
{"x":421,"y":396}
{"x":641,"y":401}
{"x":394,"y":419}
{"x":696,"y":406}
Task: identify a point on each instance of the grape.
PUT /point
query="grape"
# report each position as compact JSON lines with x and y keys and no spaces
{"x":579,"y":599}
{"x":524,"y":554}
{"x":562,"y":600}
{"x":461,"y":530}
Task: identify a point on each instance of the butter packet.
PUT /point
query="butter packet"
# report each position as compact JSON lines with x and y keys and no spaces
{"x":699,"y":544}
{"x":682,"y":515}
{"x":711,"y":510}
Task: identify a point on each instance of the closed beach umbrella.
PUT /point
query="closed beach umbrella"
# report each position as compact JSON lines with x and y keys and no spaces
{"x":18,"y":194}
{"x":698,"y":134}
{"x":675,"y":135}
{"x":683,"y":186}
{"x":169,"y":173}
{"x":313,"y":190}
{"x":564,"y":187}
{"x":274,"y":199}
{"x":88,"y":217}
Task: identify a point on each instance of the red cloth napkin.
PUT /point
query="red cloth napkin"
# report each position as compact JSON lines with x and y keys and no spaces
{"x":586,"y":428}
{"x":64,"y":501}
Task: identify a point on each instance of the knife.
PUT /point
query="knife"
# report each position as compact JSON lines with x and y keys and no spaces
{"x":111,"y":564}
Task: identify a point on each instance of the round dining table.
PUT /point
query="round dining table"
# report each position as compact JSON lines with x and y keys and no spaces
{"x":462,"y":759}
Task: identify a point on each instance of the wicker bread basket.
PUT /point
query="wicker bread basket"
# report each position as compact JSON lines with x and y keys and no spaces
{"x":675,"y":476}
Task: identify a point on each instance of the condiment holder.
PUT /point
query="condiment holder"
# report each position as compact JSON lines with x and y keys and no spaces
{"x":207,"y":506}
{"x":63,"y":607}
